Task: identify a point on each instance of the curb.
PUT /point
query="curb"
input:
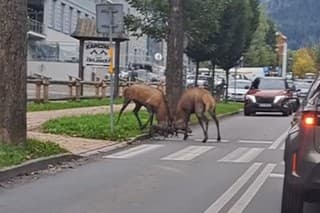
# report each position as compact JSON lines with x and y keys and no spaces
{"x":42,"y":163}
{"x":115,"y":146}
{"x":226,"y":115}
{"x":35,"y":165}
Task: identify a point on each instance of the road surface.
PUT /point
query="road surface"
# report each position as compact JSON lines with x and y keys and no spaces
{"x":243,"y":173}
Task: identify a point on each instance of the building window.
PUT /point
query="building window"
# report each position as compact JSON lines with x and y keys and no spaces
{"x":70,"y":19}
{"x":53,"y":15}
{"x":63,"y":6}
{"x":78,"y":15}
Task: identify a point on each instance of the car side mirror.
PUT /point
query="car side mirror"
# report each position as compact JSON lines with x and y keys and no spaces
{"x":294,"y":103}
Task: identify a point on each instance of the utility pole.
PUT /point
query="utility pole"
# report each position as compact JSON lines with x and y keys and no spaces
{"x":174,"y":72}
{"x":13,"y":71}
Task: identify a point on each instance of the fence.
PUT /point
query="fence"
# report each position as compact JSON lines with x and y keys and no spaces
{"x":42,"y":89}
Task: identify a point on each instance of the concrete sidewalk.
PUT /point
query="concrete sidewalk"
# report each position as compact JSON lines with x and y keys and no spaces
{"x":79,"y":146}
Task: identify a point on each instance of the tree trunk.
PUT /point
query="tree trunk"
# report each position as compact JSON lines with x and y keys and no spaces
{"x":197,"y":74}
{"x":227,"y":85}
{"x":213,"y":78}
{"x":13,"y":55}
{"x":174,"y":72}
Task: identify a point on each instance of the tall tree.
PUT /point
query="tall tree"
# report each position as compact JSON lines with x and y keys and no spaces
{"x":202,"y":24}
{"x":174,"y":71}
{"x":13,"y":19}
{"x":238,"y":23}
{"x":262,"y":48}
{"x":303,"y":62}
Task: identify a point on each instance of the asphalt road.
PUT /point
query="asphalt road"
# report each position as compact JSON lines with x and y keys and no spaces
{"x":243,"y":173}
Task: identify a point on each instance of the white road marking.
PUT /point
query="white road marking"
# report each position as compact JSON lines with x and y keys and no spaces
{"x":256,"y":141}
{"x":234,"y":155}
{"x":212,"y":140}
{"x":283,"y":146}
{"x":246,"y":198}
{"x":279,"y":140}
{"x":134,"y":151}
{"x":275,"y":175}
{"x":188,"y":153}
{"x":249,"y":156}
{"x":232,"y":191}
{"x":242,"y":155}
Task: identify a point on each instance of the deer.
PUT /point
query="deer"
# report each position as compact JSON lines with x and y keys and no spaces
{"x":153,"y":99}
{"x":199,"y":102}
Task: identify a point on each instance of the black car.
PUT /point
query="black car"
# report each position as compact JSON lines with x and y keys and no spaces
{"x":302,"y":155}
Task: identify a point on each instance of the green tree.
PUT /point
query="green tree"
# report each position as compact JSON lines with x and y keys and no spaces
{"x":303,"y":62}
{"x":262,"y":48}
{"x":238,"y":23}
{"x":13,"y":71}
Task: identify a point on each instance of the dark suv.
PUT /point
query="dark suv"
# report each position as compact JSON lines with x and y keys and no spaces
{"x":269,"y":94}
{"x":302,"y":155}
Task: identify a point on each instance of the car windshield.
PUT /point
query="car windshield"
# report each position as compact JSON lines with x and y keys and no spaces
{"x":269,"y":84}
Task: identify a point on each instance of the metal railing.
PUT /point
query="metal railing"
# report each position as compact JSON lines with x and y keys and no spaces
{"x":35,"y":26}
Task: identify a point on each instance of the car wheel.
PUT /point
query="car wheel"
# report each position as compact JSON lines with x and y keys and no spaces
{"x":247,"y":112}
{"x":287,"y":113}
{"x":292,"y":200}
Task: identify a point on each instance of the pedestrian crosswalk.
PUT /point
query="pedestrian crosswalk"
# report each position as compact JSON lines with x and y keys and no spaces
{"x":242,"y":155}
{"x":188,"y":153}
{"x":182,"y":152}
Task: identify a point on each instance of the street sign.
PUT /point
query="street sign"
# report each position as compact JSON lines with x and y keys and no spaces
{"x":158,"y":56}
{"x":109,"y":16}
{"x":109,"y":21}
{"x":111,"y":65}
{"x":96,"y":53}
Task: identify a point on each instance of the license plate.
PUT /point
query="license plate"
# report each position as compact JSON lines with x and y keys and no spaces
{"x":265,"y":105}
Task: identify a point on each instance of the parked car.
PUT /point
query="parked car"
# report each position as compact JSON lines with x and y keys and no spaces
{"x":302,"y":155}
{"x":202,"y":80}
{"x":238,"y":89}
{"x":302,"y":88}
{"x":268,"y":94}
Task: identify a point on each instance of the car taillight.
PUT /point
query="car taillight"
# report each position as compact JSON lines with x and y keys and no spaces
{"x":309,"y":119}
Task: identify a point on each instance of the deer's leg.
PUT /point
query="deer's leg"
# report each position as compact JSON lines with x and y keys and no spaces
{"x":151,"y":114}
{"x":135,"y":111}
{"x":186,"y":123}
{"x":125,"y":104}
{"x":214,"y":117}
{"x":203,"y":120}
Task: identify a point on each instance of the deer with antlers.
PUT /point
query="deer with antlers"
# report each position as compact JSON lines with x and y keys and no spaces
{"x":198,"y":101}
{"x":153,"y":99}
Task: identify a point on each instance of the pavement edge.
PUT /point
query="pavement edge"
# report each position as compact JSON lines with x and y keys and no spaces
{"x":35,"y":165}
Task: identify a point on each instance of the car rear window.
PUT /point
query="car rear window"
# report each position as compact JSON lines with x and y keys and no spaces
{"x":269,"y":84}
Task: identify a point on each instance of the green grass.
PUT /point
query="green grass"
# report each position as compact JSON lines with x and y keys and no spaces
{"x":223,"y":108}
{"x":12,"y":155}
{"x":33,"y":107}
{"x":98,"y":126}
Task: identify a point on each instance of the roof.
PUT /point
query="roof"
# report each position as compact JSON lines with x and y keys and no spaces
{"x":86,"y":30}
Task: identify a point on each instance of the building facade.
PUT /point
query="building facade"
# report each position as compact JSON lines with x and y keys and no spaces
{"x":54,"y":53}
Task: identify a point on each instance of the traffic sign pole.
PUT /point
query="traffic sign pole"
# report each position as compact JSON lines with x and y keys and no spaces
{"x":110,"y":20}
{"x":111,"y":71}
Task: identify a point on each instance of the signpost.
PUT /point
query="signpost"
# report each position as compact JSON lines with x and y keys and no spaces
{"x":109,"y":21}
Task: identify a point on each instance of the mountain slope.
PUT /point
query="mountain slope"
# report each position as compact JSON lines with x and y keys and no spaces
{"x":298,"y":19}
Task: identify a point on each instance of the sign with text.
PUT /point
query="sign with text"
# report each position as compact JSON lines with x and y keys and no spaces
{"x":96,"y":53}
{"x":109,"y":16}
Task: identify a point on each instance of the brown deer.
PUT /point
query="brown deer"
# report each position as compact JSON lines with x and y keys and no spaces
{"x":197,"y":101}
{"x":153,"y":99}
